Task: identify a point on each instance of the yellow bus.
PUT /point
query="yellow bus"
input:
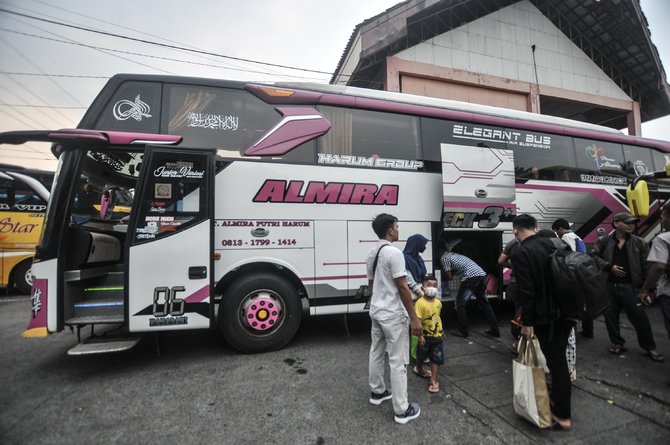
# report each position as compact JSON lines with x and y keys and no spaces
{"x":24,"y":194}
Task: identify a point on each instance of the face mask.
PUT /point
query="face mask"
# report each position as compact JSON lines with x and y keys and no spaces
{"x":430,"y":292}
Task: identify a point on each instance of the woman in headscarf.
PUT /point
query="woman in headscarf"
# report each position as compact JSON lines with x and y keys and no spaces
{"x":416,"y":272}
{"x":413,"y":262}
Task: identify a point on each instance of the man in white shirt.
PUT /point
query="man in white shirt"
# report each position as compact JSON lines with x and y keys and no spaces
{"x":562,"y":228}
{"x":659,"y":257}
{"x":391,"y":309}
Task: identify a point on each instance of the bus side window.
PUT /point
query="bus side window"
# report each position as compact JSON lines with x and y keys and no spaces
{"x":660,"y":160}
{"x":15,"y":195}
{"x":600,"y":162}
{"x":7,"y":195}
{"x":638,"y":161}
{"x":370,"y":134}
{"x":548,"y":157}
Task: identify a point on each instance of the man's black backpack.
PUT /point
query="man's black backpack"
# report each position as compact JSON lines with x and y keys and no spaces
{"x":579,"y":284}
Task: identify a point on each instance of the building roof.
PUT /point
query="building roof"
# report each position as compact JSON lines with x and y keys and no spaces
{"x":613,"y":33}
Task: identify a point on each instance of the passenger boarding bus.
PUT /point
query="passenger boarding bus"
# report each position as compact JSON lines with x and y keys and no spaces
{"x":252,"y":203}
{"x":24,"y":194}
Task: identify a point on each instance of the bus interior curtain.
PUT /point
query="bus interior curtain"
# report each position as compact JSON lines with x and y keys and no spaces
{"x":194,"y":102}
{"x":338,"y":141}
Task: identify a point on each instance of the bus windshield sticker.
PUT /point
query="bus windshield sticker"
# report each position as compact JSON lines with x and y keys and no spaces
{"x":178,"y":170}
{"x":126,"y":109}
{"x":641,"y":168}
{"x":213,"y":121}
{"x":147,"y":232}
{"x":158,"y":206}
{"x":163,"y":191}
{"x":600,"y":158}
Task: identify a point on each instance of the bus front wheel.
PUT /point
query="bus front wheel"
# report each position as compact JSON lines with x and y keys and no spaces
{"x":259,"y":312}
{"x":22,"y":277}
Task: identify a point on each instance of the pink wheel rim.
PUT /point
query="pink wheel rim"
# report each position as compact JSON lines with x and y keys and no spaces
{"x":262,"y":314}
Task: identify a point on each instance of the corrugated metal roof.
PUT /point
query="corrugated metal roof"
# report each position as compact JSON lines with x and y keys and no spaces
{"x":613,"y":33}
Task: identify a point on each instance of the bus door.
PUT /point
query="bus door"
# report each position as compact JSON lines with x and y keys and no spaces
{"x":170,"y":253}
{"x":479,"y":194}
{"x":478,"y":187}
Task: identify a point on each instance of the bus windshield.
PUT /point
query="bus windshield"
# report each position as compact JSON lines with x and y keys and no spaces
{"x":101,"y":172}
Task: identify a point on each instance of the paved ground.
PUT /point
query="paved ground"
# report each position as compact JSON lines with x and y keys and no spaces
{"x":312,"y":392}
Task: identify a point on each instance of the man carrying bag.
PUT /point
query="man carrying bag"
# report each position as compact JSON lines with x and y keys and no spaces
{"x":531,"y":264}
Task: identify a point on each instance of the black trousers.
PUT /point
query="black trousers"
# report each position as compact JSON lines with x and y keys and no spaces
{"x":587,"y":325}
{"x":553,"y":347}
{"x":473,"y":286}
{"x":664,"y":301}
{"x":622,"y":296}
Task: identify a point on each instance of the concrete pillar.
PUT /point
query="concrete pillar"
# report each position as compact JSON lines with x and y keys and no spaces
{"x":534,"y":98}
{"x":634,"y":120}
{"x":392,"y":75}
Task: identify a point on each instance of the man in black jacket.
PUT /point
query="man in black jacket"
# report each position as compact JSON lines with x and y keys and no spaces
{"x":624,"y":256}
{"x":531,"y":261}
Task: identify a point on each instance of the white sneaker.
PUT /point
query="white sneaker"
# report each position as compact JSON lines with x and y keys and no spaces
{"x":412,"y":412}
{"x":377,"y":399}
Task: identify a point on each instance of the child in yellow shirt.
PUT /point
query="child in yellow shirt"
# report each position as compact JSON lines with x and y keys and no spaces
{"x":428,"y":309}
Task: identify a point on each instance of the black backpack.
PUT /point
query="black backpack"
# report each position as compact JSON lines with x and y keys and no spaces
{"x":579,"y":285}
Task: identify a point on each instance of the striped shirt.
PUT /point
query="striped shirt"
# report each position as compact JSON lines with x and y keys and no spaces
{"x":461,"y":265}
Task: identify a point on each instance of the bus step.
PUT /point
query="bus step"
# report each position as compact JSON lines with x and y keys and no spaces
{"x":96,"y":319}
{"x":98,"y":308}
{"x":104,"y":292}
{"x":103,"y":345}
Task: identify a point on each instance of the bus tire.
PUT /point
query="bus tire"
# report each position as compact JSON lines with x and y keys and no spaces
{"x":259,"y":312}
{"x":21,"y":276}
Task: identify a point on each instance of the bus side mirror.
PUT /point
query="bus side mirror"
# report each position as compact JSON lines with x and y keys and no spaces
{"x":637,"y":195}
{"x":107,"y":203}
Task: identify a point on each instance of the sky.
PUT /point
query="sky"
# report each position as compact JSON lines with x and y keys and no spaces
{"x":50,"y":71}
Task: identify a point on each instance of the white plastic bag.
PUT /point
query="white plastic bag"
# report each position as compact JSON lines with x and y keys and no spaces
{"x":531,"y":398}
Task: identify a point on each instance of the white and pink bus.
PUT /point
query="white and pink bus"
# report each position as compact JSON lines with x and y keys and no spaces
{"x":248,"y":205}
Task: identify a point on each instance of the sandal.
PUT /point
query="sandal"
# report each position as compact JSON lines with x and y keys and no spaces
{"x":558,"y":426}
{"x":434,"y":388}
{"x":424,"y":374}
{"x":655,"y":356}
{"x":617,"y":349}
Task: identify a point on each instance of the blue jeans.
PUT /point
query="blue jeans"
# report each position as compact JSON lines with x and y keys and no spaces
{"x":473,"y":286}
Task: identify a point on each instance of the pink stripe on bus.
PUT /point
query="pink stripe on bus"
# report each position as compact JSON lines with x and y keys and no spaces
{"x":198,"y":295}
